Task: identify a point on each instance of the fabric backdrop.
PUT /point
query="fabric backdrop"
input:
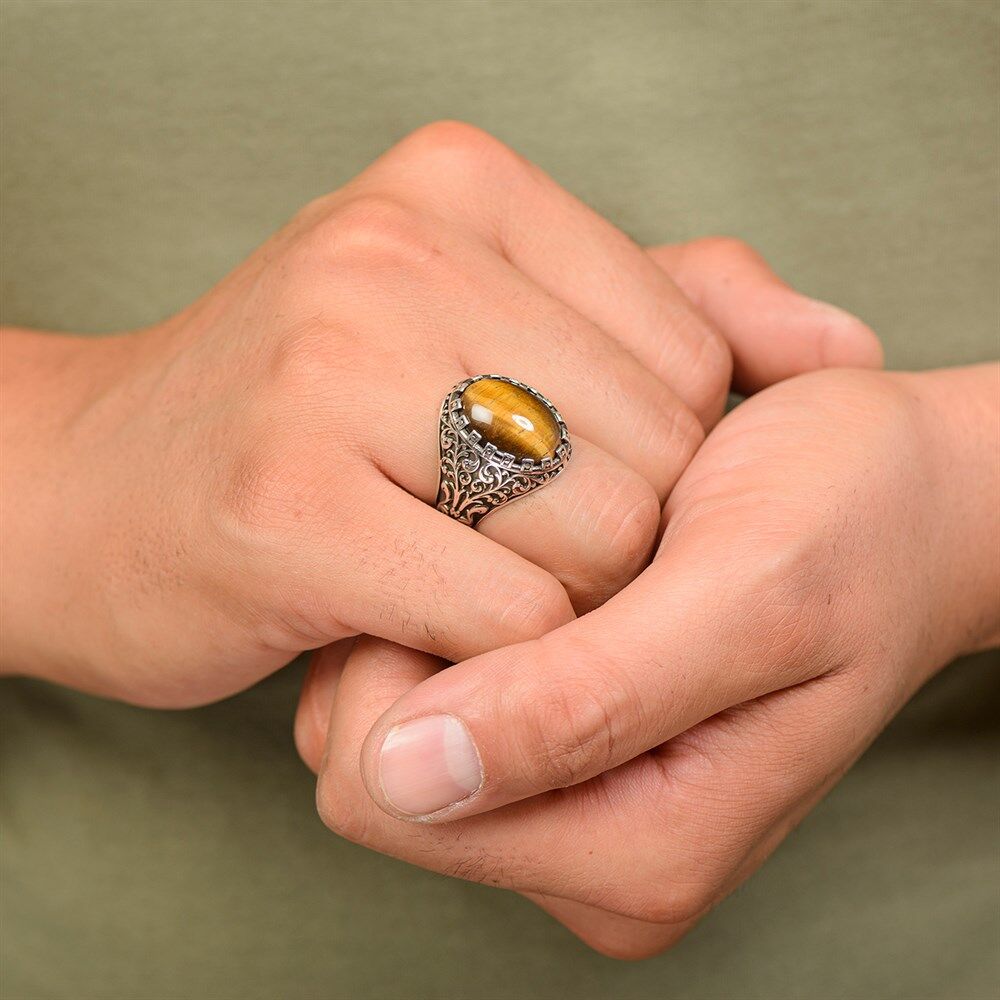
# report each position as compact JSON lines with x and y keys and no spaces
{"x":148,"y":146}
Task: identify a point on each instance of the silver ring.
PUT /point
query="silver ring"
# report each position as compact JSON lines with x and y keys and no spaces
{"x":499,"y":440}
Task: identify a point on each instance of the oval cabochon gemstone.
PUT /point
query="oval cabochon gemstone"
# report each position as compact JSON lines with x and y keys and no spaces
{"x":511,"y":419}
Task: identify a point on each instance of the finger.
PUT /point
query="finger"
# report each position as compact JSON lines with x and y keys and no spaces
{"x":610,"y":933}
{"x":593,"y":527}
{"x":495,"y":317}
{"x":375,"y":674}
{"x":773,"y":331}
{"x":658,"y":840}
{"x":599,"y":519}
{"x":545,"y":845}
{"x":419,"y":577}
{"x":611,"y":398}
{"x":476,"y":314}
{"x":312,"y":716}
{"x":473,"y":181}
{"x":678,"y":645}
{"x":627,"y":937}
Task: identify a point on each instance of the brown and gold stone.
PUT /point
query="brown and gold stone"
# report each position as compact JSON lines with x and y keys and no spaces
{"x":511,"y":419}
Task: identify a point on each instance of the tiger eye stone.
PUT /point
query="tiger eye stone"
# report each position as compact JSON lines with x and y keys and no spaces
{"x":511,"y":419}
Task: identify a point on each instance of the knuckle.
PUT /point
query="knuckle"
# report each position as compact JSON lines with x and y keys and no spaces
{"x":375,"y":230}
{"x":725,"y":248}
{"x":711,"y":375}
{"x":312,"y":212}
{"x":675,"y":888}
{"x":569,"y":732}
{"x":670,"y":437}
{"x":686,"y":434}
{"x":624,"y":524}
{"x":708,"y":367}
{"x":309,"y":740}
{"x":263,"y":503}
{"x":258,"y":488}
{"x":340,"y":814}
{"x":676,"y":905}
{"x":265,"y":494}
{"x":457,"y":146}
{"x":301,"y":363}
{"x":446,"y":133}
{"x":535,"y":607}
{"x":627,"y":945}
{"x":790,"y":600}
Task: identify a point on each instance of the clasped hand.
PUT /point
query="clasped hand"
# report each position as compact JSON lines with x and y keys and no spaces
{"x":661,"y":660}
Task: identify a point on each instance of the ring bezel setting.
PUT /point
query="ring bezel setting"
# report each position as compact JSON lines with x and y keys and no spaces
{"x":476,"y":476}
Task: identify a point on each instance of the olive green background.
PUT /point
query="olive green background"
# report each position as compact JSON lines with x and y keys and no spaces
{"x":147,"y":147}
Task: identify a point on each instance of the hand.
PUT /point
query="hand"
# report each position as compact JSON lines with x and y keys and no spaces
{"x":829,"y":547}
{"x":191,"y":505}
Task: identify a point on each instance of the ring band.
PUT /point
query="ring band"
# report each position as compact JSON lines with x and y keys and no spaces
{"x":499,"y":440}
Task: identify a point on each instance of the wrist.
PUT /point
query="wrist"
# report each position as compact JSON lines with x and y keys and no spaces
{"x":50,"y":386}
{"x":959,"y":411}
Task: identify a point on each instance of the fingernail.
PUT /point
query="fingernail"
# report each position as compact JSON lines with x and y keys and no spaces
{"x":428,"y":764}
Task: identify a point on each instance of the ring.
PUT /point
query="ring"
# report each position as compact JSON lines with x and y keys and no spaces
{"x":499,"y":440}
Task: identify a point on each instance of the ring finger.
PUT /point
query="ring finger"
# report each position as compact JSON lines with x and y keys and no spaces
{"x":593,"y":526}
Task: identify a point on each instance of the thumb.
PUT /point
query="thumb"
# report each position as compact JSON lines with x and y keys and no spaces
{"x":773,"y":331}
{"x":666,"y":653}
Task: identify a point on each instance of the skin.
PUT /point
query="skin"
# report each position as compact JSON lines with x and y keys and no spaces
{"x":831,"y":545}
{"x":191,"y":505}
